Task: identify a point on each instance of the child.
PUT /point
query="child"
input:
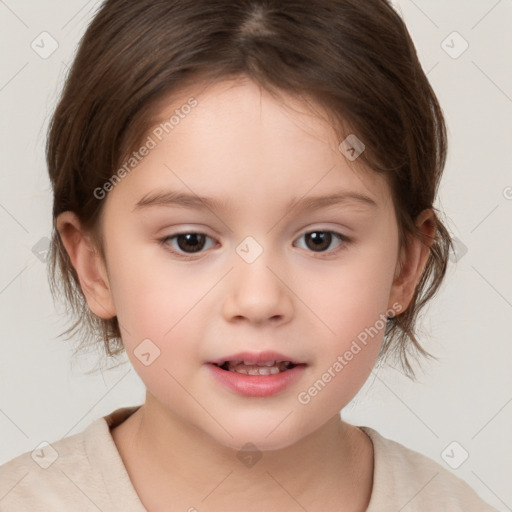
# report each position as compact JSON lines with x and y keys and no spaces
{"x":243,"y":190}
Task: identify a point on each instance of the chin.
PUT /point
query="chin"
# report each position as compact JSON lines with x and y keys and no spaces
{"x":264,"y":436}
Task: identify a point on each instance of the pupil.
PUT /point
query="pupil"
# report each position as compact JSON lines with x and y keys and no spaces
{"x":193,"y":241}
{"x":321,"y":239}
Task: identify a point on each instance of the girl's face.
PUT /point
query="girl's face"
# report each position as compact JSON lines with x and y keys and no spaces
{"x":257,"y":272}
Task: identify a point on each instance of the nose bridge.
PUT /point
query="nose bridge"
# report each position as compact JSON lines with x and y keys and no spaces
{"x":255,"y":291}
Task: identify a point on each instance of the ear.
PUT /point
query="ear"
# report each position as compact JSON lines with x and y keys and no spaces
{"x":412,"y":261}
{"x":88,"y":265}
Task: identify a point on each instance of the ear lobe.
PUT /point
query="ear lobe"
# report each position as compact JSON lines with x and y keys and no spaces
{"x":412,"y":260}
{"x":88,"y":265}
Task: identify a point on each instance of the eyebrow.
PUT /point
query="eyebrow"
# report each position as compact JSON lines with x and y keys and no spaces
{"x":171,"y":198}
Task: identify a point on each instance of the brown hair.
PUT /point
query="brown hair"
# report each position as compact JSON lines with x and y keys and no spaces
{"x":354,"y":58}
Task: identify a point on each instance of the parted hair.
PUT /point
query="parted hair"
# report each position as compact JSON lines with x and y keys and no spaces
{"x":354,"y":58}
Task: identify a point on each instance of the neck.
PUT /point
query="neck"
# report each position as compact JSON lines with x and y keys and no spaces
{"x":170,"y":461}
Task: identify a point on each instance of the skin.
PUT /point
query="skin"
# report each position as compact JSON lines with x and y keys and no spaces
{"x":181,"y":447}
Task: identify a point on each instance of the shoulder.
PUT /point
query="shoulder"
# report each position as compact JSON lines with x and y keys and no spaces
{"x":404,"y":478}
{"x":43,"y":476}
{"x":82,"y":472}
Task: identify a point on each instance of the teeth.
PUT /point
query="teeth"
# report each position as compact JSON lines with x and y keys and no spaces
{"x":272,"y":370}
{"x":261,"y":368}
{"x":264,"y":363}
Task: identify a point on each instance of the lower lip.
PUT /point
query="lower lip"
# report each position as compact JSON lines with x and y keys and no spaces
{"x":257,"y":385}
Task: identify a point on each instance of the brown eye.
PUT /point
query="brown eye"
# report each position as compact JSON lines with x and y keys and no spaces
{"x":321,"y":241}
{"x":318,"y":240}
{"x":191,"y":242}
{"x":187,"y":243}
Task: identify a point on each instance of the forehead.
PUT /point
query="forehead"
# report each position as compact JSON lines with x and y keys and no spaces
{"x":233,"y":108}
{"x":238,"y":139}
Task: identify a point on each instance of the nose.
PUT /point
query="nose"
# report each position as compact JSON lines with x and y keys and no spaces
{"x":258,"y":293}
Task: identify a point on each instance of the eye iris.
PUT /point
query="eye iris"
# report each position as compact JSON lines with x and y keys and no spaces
{"x":193,"y":242}
{"x":321,"y":240}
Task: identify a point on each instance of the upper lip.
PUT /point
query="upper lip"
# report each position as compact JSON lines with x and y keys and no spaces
{"x":256,"y":357}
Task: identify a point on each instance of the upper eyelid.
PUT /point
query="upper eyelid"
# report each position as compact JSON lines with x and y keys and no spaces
{"x":302,"y":232}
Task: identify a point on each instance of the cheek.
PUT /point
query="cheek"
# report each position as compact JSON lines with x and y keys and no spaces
{"x":352,"y":295}
{"x":150,"y":292}
{"x":163,"y":302}
{"x":352,"y":305}
{"x":347,"y":351}
{"x":155,"y":309}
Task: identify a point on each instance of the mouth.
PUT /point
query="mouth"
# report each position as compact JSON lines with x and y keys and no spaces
{"x":261,"y":368}
{"x":257,"y":374}
{"x":257,"y":363}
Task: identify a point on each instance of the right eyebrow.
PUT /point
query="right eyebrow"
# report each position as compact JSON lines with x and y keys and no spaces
{"x":175,"y":198}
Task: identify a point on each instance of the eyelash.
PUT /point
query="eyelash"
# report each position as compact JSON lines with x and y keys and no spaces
{"x":344,"y":241}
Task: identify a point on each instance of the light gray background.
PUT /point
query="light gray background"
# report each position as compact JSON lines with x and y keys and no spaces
{"x":466,"y":397}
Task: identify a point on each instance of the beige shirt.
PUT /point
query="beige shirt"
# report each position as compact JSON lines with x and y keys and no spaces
{"x":84,"y":472}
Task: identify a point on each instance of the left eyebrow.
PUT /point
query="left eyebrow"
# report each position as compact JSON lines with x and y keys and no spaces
{"x":341,"y":197}
{"x":185,"y":200}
